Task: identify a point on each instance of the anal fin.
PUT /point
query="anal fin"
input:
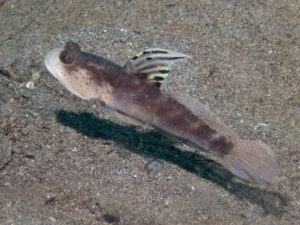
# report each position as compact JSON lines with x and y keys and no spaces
{"x":128,"y":120}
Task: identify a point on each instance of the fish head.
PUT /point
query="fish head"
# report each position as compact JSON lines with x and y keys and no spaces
{"x":66,"y":65}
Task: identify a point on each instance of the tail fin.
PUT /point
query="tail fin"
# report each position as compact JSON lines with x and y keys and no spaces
{"x":251,"y":160}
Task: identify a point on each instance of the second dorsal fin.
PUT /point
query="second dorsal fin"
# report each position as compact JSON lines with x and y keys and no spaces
{"x":203,"y":112}
{"x":153,"y":63}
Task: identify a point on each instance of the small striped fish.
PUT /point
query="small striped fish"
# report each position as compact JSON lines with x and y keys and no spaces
{"x":133,"y":92}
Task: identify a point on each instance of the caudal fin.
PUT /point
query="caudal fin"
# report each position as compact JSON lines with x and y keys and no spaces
{"x":251,"y":160}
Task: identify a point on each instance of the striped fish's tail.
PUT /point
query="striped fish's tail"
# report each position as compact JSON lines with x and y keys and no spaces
{"x":251,"y":160}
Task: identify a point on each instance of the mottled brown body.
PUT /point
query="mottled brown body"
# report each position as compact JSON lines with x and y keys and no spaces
{"x":158,"y":110}
{"x":133,"y":92}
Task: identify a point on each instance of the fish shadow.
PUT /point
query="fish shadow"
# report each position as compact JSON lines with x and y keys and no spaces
{"x":155,"y":145}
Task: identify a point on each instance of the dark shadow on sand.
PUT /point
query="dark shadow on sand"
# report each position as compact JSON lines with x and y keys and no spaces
{"x":155,"y":145}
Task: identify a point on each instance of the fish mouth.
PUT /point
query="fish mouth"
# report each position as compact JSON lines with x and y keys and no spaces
{"x":53,"y":65}
{"x":51,"y":61}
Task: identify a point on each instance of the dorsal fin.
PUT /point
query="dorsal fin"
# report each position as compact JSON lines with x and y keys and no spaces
{"x":153,"y":63}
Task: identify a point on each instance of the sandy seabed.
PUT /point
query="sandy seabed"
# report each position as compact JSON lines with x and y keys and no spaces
{"x":65,"y":161}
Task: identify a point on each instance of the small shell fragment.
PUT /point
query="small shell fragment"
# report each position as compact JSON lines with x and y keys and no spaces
{"x":30,"y":85}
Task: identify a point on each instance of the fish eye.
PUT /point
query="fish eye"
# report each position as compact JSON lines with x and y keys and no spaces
{"x":66,"y":58}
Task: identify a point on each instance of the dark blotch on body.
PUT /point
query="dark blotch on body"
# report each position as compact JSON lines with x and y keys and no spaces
{"x":221,"y":145}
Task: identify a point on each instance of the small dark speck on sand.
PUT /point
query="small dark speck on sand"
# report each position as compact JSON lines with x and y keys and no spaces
{"x":170,"y":5}
{"x":109,"y":218}
{"x":213,"y":70}
{"x":29,"y":156}
{"x":137,"y":32}
{"x":49,"y":200}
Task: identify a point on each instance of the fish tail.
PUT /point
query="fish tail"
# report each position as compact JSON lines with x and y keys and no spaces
{"x":251,"y":160}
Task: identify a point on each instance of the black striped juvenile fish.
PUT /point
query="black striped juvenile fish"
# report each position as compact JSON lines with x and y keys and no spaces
{"x":133,"y":92}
